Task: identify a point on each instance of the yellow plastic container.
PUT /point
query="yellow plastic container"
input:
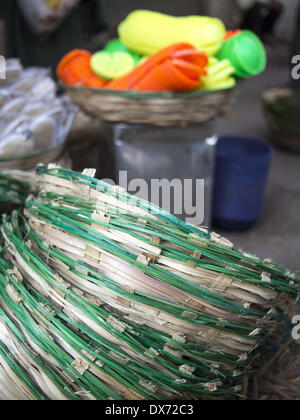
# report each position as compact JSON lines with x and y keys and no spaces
{"x":147,"y":32}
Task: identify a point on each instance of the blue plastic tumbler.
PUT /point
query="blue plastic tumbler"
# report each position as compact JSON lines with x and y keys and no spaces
{"x":241,"y":175}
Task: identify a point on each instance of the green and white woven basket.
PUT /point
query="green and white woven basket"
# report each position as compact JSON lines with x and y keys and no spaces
{"x":106,"y":296}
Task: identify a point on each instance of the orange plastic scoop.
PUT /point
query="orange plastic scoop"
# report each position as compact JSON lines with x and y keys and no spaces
{"x":175,"y":68}
{"x":74,"y":69}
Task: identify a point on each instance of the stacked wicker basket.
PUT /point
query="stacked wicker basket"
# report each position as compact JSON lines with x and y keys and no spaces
{"x":281,"y":108}
{"x":105,"y":296}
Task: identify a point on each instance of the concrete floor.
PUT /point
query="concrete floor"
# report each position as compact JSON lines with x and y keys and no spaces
{"x":277,"y":233}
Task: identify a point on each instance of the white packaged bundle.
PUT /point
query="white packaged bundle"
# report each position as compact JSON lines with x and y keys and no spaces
{"x":10,"y":70}
{"x":45,"y":88}
{"x":4,"y":97}
{"x":34,"y":109}
{"x":32,"y":118}
{"x":16,"y":145}
{"x":28,"y":80}
{"x":20,"y":124}
{"x":43,"y":130}
{"x":12,"y":108}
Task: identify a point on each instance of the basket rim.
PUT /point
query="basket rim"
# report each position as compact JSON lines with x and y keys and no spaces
{"x":135,"y":94}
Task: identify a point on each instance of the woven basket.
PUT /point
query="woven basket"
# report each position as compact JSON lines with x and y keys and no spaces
{"x":285,"y":141}
{"x":282,"y":118}
{"x":159,"y":109}
{"x":14,"y":188}
{"x":106,"y":296}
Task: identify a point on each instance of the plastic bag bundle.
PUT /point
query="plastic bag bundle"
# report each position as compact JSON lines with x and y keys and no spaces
{"x":10,"y":70}
{"x":44,"y":16}
{"x":32,"y":118}
{"x":106,"y":296}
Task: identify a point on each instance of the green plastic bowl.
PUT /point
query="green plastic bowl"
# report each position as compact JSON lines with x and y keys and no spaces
{"x":117,"y":46}
{"x":246,"y":53}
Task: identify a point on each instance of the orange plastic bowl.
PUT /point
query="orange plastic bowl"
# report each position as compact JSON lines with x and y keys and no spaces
{"x":74,"y":69}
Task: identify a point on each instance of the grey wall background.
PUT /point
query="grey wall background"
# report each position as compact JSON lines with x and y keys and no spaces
{"x":119,"y":9}
{"x":286,"y":26}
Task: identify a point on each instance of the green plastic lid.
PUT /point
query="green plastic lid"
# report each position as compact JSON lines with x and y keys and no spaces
{"x":246,"y":53}
{"x":251,"y":53}
{"x":112,"y":65}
